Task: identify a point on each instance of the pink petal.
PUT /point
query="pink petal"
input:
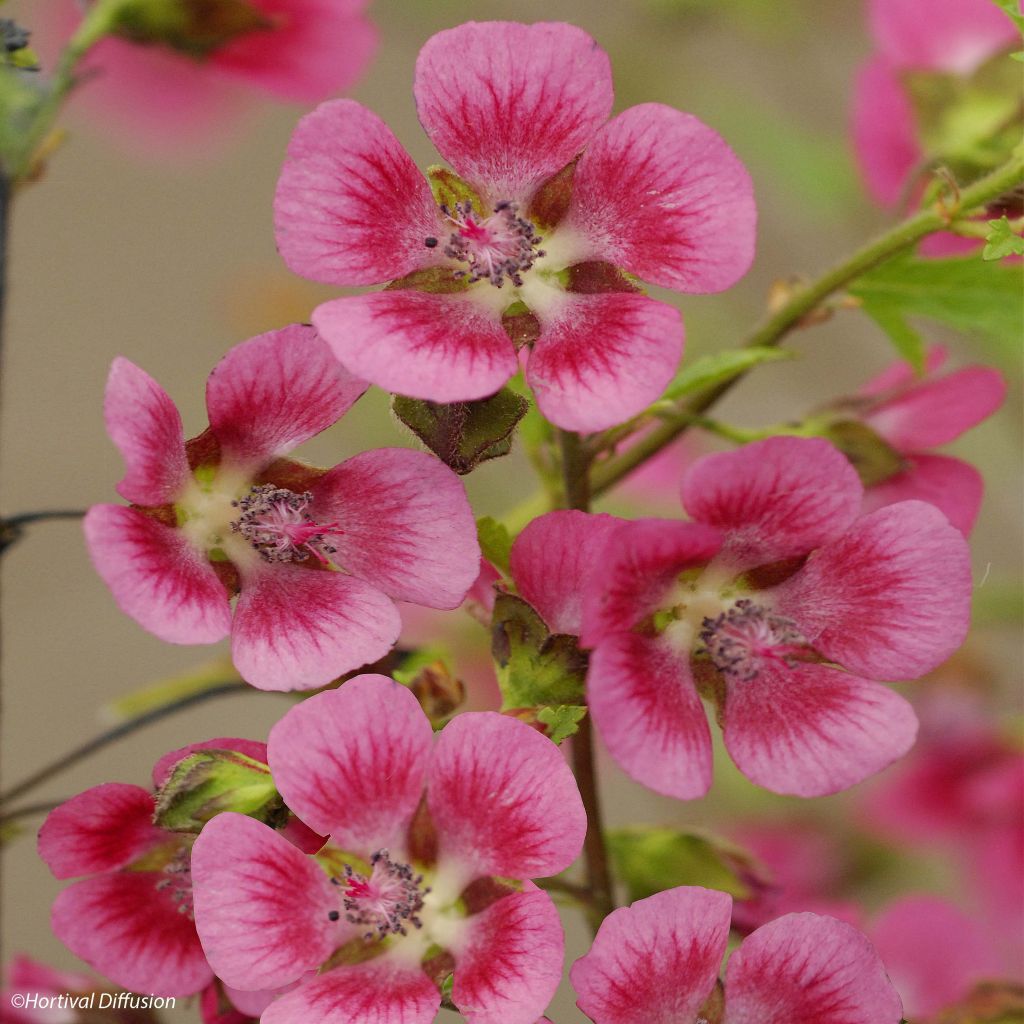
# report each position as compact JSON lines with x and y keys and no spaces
{"x":385,"y":990}
{"x":890,"y":599}
{"x":810,"y":730}
{"x":511,"y":959}
{"x":945,"y":243}
{"x":811,"y":969}
{"x":900,"y":373}
{"x":145,"y":425}
{"x":655,"y":962}
{"x":503,"y":799}
{"x":261,"y":906}
{"x":884,"y":131}
{"x":156,"y":576}
{"x":102,"y":829}
{"x":297,"y":629}
{"x":404,"y":525}
{"x":604,"y":358}
{"x":777,"y":498}
{"x":645,"y":706}
{"x":642,"y":561}
{"x":940,"y":35}
{"x":352,"y":762}
{"x":440,"y":347}
{"x":250,"y":748}
{"x":954,"y":487}
{"x":936,"y":411}
{"x":508,"y":105}
{"x":132,"y":932}
{"x":26,"y":974}
{"x":934,"y":953}
{"x":351,"y":206}
{"x":552,"y":560}
{"x":275,"y":391}
{"x":318,"y":47}
{"x":662,"y":195}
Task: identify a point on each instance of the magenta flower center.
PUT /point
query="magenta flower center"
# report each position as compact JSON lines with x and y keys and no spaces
{"x":500,"y":246}
{"x":275,"y":522}
{"x":387,"y":900}
{"x":739,"y":640}
{"x":177,"y":877}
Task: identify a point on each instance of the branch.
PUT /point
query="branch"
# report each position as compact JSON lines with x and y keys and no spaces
{"x":776,"y":327}
{"x":12,"y":528}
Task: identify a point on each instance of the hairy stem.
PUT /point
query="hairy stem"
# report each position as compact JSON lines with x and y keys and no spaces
{"x":576,"y":480}
{"x":773,"y":330}
{"x":116,"y":733}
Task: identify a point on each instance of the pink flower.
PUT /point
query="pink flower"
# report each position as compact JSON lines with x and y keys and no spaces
{"x":131,"y":918}
{"x":317,"y":558}
{"x":953,"y":37}
{"x":659,"y":960}
{"x":439,"y":840}
{"x":655,"y":193}
{"x":782,"y":606}
{"x":298,"y":51}
{"x":27,"y":977}
{"x":913,"y":415}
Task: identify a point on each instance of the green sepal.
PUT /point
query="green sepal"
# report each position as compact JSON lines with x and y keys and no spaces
{"x":651,"y":859}
{"x":435,"y":280}
{"x":464,"y":434}
{"x":495,"y":542}
{"x":535,"y":667}
{"x":208,"y":782}
{"x":1002,"y":241}
{"x":450,"y":190}
{"x":561,"y":721}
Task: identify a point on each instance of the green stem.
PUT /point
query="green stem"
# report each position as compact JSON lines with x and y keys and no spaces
{"x":576,"y":481}
{"x":776,"y":327}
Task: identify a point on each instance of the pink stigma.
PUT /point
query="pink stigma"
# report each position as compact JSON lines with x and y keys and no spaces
{"x":497,"y":247}
{"x":389,"y":899}
{"x":739,"y":640}
{"x":274,"y":521}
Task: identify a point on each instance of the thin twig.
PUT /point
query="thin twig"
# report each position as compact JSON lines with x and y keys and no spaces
{"x":30,"y":810}
{"x":12,"y":529}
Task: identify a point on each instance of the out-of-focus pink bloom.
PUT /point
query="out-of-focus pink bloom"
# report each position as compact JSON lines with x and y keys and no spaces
{"x":300,"y":51}
{"x":943,"y":36}
{"x":781,"y":605}
{"x":934,"y":953}
{"x":131,"y":918}
{"x":913,"y":415}
{"x":27,"y":977}
{"x":432,"y":836}
{"x":659,"y":960}
{"x":655,"y":193}
{"x":317,"y":558}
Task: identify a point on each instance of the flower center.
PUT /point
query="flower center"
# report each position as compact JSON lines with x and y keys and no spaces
{"x":275,"y":522}
{"x":500,"y":246}
{"x":177,"y":878}
{"x":740,"y":639}
{"x":386,"y":901}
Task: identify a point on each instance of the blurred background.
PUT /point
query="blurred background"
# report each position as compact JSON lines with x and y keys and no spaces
{"x":170,"y":259}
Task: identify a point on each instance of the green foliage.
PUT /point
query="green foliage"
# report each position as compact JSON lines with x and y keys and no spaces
{"x":650,"y":860}
{"x":907,"y":341}
{"x":207,"y":782}
{"x":535,"y":667}
{"x":1012,"y":8}
{"x":561,"y":721}
{"x":1002,"y":241}
{"x":720,"y":367}
{"x":495,"y":542}
{"x":450,"y":190}
{"x":464,"y":434}
{"x":965,"y":293}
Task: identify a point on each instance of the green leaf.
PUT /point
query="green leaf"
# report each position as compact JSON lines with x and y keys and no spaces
{"x":963,"y":292}
{"x":1002,"y":241}
{"x":561,"y":720}
{"x":720,"y":367}
{"x":907,"y":342}
{"x":464,"y":434}
{"x":213,"y":675}
{"x":207,"y":782}
{"x":450,"y":190}
{"x":495,"y":542}
{"x":650,"y":860}
{"x":1012,"y":8}
{"x":534,"y":666}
